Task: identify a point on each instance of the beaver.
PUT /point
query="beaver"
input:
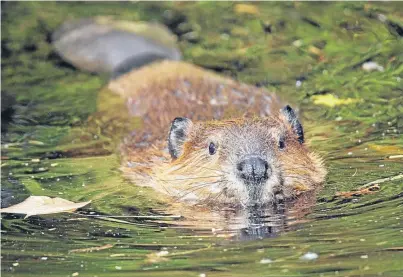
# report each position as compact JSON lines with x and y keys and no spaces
{"x":204,"y":139}
{"x":209,"y":140}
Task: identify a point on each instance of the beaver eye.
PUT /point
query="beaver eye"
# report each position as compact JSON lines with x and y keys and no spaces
{"x":281,"y":143}
{"x":212,"y":148}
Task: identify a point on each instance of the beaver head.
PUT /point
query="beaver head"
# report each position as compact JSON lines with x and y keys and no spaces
{"x":239,"y":161}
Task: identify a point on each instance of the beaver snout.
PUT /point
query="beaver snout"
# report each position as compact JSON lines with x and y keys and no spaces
{"x":254,"y":169}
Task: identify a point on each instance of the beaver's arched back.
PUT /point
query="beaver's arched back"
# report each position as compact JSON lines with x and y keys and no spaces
{"x":162,"y":91}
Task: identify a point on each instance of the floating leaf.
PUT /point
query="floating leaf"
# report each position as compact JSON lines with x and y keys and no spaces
{"x":364,"y":191}
{"x":35,"y":205}
{"x":386,"y":149}
{"x":246,"y":9}
{"x":331,"y":101}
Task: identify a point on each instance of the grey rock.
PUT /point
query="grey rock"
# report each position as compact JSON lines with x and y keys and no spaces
{"x":102,"y":45}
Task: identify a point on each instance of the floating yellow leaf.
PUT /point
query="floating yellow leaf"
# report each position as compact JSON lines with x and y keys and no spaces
{"x":387,"y":149}
{"x":246,"y":8}
{"x":35,"y":205}
{"x":331,"y":101}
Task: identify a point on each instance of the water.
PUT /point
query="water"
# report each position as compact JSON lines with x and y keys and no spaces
{"x":61,"y":141}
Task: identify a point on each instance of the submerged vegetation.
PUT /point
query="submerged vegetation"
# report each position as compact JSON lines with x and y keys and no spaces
{"x":59,"y":139}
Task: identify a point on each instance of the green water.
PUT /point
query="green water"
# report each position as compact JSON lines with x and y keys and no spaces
{"x":61,"y":142}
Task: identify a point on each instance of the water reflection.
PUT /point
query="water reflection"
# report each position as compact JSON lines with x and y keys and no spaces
{"x":251,"y":223}
{"x":263,"y":222}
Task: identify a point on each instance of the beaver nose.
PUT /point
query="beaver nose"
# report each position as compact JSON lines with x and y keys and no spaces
{"x":254,"y":169}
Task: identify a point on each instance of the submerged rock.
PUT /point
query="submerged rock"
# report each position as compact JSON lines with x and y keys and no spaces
{"x":102,"y":45}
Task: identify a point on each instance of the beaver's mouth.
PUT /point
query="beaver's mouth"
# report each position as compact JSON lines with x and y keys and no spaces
{"x":261,"y":191}
{"x":255,"y":190}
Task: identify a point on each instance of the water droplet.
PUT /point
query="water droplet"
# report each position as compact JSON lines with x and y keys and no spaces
{"x":265,"y":261}
{"x":309,"y":256}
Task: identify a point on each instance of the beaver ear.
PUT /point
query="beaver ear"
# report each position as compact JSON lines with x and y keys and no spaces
{"x":178,"y":134}
{"x":293,"y":120}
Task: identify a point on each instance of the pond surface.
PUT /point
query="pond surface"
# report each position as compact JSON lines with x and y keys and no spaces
{"x":59,"y":138}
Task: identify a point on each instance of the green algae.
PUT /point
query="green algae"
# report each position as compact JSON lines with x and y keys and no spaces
{"x":61,"y":118}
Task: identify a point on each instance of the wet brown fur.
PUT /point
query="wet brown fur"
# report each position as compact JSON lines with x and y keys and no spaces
{"x":162,"y":91}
